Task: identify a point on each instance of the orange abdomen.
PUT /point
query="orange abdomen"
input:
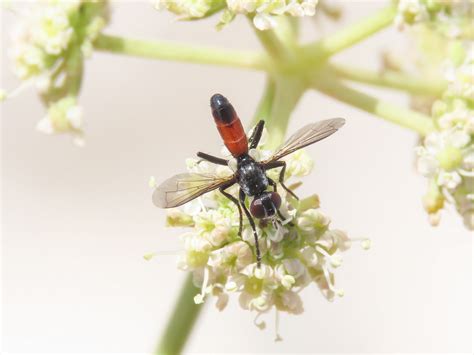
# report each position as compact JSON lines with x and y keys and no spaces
{"x":229,"y":125}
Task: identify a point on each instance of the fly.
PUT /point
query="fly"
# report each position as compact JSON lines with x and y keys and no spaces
{"x":250,"y":174}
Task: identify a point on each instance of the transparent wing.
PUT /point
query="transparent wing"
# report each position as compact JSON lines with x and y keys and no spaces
{"x":183,"y":188}
{"x":307,"y":135}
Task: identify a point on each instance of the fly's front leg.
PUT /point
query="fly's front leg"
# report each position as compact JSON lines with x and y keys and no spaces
{"x":252,"y":224}
{"x":256,"y":134}
{"x":281,"y":180}
{"x":212,"y":159}
{"x":274,"y":185}
{"x":234,"y":200}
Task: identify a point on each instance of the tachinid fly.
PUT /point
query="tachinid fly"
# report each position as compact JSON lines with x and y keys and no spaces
{"x":250,"y":174}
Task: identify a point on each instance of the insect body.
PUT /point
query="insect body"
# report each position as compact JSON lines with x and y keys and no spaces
{"x":250,"y":175}
{"x":229,"y":126}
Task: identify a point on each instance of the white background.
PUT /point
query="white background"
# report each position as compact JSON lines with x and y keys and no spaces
{"x":76,"y":222}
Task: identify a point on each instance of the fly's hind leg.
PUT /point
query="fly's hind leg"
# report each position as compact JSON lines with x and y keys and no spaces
{"x":212,"y":159}
{"x":252,"y":224}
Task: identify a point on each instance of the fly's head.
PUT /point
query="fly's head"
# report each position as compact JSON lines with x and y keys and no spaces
{"x":265,"y":205}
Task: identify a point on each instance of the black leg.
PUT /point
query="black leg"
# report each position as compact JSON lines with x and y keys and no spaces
{"x":212,"y":159}
{"x":281,"y":180}
{"x":252,"y":224}
{"x":274,"y":185}
{"x":234,"y":200}
{"x":256,"y":134}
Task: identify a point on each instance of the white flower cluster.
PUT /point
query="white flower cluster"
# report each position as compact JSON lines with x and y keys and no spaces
{"x":450,"y":17}
{"x":63,"y":115}
{"x":185,"y":9}
{"x":49,"y":45}
{"x":446,"y":156}
{"x":263,"y":12}
{"x":300,"y":251}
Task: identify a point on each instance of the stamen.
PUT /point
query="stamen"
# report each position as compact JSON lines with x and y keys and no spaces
{"x":19,"y":89}
{"x":152,"y":182}
{"x":151,"y":255}
{"x":466,"y":173}
{"x":199,"y":298}
{"x":277,"y":326}
{"x":202,"y":204}
{"x":449,"y":197}
{"x":260,"y":325}
{"x":339,"y":292}
{"x":365,"y":243}
{"x":328,"y":279}
{"x":279,"y":230}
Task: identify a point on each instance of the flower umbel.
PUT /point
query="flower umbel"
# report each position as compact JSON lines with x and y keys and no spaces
{"x":264,"y":13}
{"x":451,"y":18}
{"x":49,"y":46}
{"x":299,"y":251}
{"x":446,"y":156}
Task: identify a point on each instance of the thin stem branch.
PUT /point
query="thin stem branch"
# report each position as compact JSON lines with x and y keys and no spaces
{"x":390,"y":80}
{"x":350,"y":35}
{"x":182,"y":52}
{"x":402,"y":116}
{"x":273,"y":44}
{"x":181,"y":321}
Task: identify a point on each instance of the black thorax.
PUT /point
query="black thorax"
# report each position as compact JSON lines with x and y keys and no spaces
{"x":251,"y":176}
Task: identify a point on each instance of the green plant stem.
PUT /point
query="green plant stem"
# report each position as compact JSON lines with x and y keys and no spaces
{"x":350,"y":35}
{"x":264,"y":107}
{"x":74,"y":70}
{"x":390,"y":80}
{"x":404,"y":117}
{"x":181,"y":320}
{"x":182,"y":52}
{"x":288,"y":91}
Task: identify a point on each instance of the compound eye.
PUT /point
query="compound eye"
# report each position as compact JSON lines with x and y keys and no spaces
{"x":276,"y":199}
{"x":256,"y":208}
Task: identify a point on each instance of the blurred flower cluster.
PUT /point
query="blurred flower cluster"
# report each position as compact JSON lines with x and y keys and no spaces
{"x":264,"y":13}
{"x":453,"y":18}
{"x":49,"y":45}
{"x":300,"y":251}
{"x":446,"y":156}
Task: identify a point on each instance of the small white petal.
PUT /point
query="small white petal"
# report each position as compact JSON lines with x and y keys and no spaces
{"x":288,"y":281}
{"x":152,"y":182}
{"x":336,"y":260}
{"x":74,"y":116}
{"x":79,"y":140}
{"x":264,"y":21}
{"x":427,"y":165}
{"x":468,"y":161}
{"x":366,"y":244}
{"x":199,"y":299}
{"x":450,"y":180}
{"x":45,"y":126}
{"x":231,"y":286}
{"x":459,"y":139}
